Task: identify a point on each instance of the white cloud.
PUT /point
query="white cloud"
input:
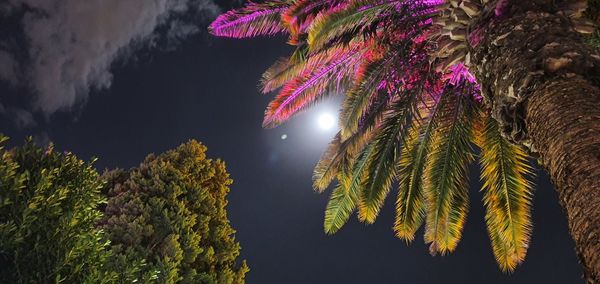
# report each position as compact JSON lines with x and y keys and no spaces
{"x":72,"y":43}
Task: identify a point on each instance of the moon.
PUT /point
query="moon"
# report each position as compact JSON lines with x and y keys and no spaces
{"x":326,"y":121}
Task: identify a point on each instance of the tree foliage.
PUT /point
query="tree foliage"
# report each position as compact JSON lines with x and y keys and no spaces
{"x":165,"y":221}
{"x":412,"y":115}
{"x":48,"y":211}
{"x":170,"y":211}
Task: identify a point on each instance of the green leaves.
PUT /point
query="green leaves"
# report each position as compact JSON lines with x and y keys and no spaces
{"x":507,"y":195}
{"x":352,"y":185}
{"x":410,"y":204}
{"x":341,"y":204}
{"x":171,"y":212}
{"x":446,"y":181}
{"x":48,"y":213}
{"x":165,"y":220}
{"x":350,"y":20}
{"x":381,"y":170}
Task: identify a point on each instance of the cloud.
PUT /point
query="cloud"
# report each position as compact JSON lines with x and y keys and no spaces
{"x":8,"y":68}
{"x":20,"y":117}
{"x":71,"y":44}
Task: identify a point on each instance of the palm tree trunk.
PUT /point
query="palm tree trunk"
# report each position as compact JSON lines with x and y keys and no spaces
{"x":541,"y":81}
{"x":563,"y":120}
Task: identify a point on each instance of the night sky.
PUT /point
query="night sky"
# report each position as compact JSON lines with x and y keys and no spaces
{"x":206,"y":89}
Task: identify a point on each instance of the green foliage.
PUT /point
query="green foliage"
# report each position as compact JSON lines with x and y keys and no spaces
{"x":167,"y":219}
{"x":170,"y":211}
{"x":48,"y":211}
{"x":339,"y":208}
{"x":507,"y":194}
{"x":446,"y":175}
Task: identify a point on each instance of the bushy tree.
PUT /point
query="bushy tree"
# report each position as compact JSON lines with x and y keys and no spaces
{"x":48,"y":213}
{"x":170,"y":211}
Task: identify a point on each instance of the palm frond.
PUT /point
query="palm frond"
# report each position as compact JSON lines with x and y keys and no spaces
{"x":410,"y":204}
{"x":252,"y":20}
{"x":387,"y":145}
{"x":283,"y":71}
{"x":328,"y":166}
{"x":507,"y":195}
{"x":338,"y":154}
{"x":358,"y":100}
{"x":340,"y":206}
{"x":301,"y":14}
{"x":446,"y":180}
{"x":349,"y":19}
{"x":339,"y":210}
{"x":303,"y":91}
{"x":298,"y":65}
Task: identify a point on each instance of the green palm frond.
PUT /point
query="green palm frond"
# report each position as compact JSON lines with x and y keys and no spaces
{"x":329,"y":164}
{"x":339,"y":154}
{"x":507,"y":194}
{"x":351,"y":19}
{"x":341,"y":205}
{"x":446,"y":181}
{"x":387,"y":143}
{"x":410,"y":204}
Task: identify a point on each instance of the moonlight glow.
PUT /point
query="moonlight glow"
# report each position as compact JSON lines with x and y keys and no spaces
{"x":326,"y":121}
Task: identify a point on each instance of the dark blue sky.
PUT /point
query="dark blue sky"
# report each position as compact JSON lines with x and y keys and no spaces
{"x":207,"y":90}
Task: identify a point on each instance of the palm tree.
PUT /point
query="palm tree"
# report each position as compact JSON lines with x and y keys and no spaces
{"x":426,"y":83}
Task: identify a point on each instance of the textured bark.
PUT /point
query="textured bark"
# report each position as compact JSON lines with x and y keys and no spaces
{"x":563,"y":120}
{"x":541,"y":80}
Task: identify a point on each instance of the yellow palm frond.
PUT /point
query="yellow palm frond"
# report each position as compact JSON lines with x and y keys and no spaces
{"x":507,"y":194}
{"x":410,"y":204}
{"x":446,"y":179}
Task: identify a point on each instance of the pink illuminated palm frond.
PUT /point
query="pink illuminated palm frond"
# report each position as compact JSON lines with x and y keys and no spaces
{"x":411,"y":114}
{"x":252,"y":20}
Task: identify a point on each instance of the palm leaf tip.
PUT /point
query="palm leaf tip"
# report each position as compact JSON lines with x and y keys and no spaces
{"x":328,"y":166}
{"x":252,"y":20}
{"x":507,"y":195}
{"x":409,"y":204}
{"x":341,"y":204}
